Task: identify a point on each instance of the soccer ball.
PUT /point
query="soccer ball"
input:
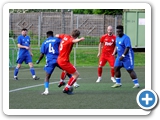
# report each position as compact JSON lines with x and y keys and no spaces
{"x":71,"y":89}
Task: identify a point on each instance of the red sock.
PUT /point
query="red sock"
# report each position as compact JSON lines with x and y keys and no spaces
{"x":71,"y":81}
{"x":112,"y":72}
{"x":63,"y":75}
{"x":99,"y":71}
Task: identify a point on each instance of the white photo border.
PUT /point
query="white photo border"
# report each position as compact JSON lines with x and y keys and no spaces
{"x":66,"y":5}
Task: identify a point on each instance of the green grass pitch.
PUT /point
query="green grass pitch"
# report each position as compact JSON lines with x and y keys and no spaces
{"x":26,"y":93}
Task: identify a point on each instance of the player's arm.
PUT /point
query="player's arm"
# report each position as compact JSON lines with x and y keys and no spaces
{"x":114,"y":51}
{"x":100,"y":46}
{"x":21,"y":46}
{"x":57,"y":35}
{"x":127,"y":44}
{"x":124,"y":54}
{"x":42,"y":53}
{"x":78,"y":40}
{"x":30,"y":51}
{"x":40,"y":58}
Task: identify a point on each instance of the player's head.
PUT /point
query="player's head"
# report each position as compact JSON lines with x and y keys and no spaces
{"x":109,"y":30}
{"x":49,"y":34}
{"x":24,"y":31}
{"x":75,"y":33}
{"x":119,"y":30}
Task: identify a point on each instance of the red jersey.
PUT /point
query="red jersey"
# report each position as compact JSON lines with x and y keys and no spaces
{"x":65,"y":47}
{"x":108,"y":44}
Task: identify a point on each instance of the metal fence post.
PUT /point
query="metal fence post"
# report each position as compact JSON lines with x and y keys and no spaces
{"x":39,"y":30}
{"x":63,"y":21}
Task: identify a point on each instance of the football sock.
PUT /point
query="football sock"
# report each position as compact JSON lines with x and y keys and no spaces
{"x":99,"y":71}
{"x":46,"y":84}
{"x":71,"y":81}
{"x":112,"y":72}
{"x":16,"y":70}
{"x":69,"y":75}
{"x":63,"y":75}
{"x":135,"y":81}
{"x":118,"y":80}
{"x":32,"y":71}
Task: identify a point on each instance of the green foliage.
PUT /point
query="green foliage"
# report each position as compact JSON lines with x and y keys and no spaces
{"x":11,"y":34}
{"x":99,"y":11}
{"x":75,"y":11}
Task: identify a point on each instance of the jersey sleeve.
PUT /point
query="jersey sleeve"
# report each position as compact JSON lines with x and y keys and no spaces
{"x":61,"y":36}
{"x":127,"y":42}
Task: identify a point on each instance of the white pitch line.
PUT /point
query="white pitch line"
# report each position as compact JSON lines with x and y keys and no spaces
{"x":18,"y":89}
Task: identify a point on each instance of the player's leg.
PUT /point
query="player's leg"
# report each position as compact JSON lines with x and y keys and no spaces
{"x":69,"y":68}
{"x":129,"y":66}
{"x":62,"y":77}
{"x":16,"y":70}
{"x":76,"y":85}
{"x":117,"y":67}
{"x":134,"y":78}
{"x":70,"y":83}
{"x":49,"y":68}
{"x":102,"y":62}
{"x":111,"y":61}
{"x":46,"y":84}
{"x":32,"y":70}
{"x":28,"y":61}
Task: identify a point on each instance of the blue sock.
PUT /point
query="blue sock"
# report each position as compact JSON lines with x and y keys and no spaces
{"x":32,"y":71}
{"x":46,"y":84}
{"x":16,"y":70}
{"x":118,"y":80}
{"x":69,"y":75}
{"x":135,"y":81}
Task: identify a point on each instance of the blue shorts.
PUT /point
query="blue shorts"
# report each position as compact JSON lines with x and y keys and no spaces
{"x":50,"y":66}
{"x":127,"y":62}
{"x":27,"y":59}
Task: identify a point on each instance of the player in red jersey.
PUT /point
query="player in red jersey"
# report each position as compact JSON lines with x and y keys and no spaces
{"x":63,"y":58}
{"x":106,"y":52}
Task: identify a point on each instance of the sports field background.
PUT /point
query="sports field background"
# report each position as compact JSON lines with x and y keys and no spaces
{"x":26,"y":92}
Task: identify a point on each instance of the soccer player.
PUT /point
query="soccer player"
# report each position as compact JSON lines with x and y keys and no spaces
{"x":125,"y":58}
{"x":63,"y":58}
{"x":50,"y":48}
{"x":106,"y":51}
{"x":24,"y":54}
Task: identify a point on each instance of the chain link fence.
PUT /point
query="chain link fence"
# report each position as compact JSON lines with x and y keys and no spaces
{"x":38,"y":23}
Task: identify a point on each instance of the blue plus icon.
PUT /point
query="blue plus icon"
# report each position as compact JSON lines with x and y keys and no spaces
{"x":147,"y":99}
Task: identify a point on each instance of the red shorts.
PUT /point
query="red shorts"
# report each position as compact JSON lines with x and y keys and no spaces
{"x":67,"y":66}
{"x":104,"y":59}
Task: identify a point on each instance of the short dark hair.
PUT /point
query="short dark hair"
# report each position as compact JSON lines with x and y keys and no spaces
{"x":49,"y":33}
{"x":119,"y":27}
{"x":24,"y":29}
{"x":75,"y":33}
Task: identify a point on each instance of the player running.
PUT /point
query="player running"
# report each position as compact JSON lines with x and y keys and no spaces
{"x":106,"y":53}
{"x":63,"y":58}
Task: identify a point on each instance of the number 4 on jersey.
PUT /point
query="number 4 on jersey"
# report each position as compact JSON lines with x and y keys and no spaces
{"x":51,"y":49}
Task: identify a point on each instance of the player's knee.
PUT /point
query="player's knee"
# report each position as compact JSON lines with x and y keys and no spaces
{"x":76,"y":75}
{"x":18,"y":66}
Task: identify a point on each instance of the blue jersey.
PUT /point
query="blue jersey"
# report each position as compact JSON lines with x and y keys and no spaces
{"x":25,"y":41}
{"x":50,"y":47}
{"x":121,"y":44}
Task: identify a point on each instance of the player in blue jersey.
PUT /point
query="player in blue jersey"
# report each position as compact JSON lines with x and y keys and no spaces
{"x":50,"y":48}
{"x":125,"y":58}
{"x":24,"y":54}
